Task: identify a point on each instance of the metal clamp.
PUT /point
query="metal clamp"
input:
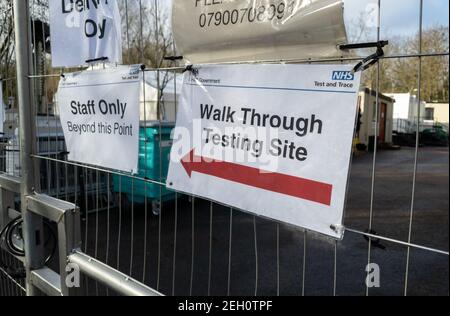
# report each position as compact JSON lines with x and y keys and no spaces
{"x":173,"y":58}
{"x":192,"y":69}
{"x":370,"y":60}
{"x":89,"y":61}
{"x":338,"y":229}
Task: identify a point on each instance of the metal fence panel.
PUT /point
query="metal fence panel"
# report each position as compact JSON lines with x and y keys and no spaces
{"x":184,"y":245}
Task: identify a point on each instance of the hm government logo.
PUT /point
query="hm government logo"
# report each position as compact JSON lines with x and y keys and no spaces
{"x":135,"y":69}
{"x":343,"y":75}
{"x":133,"y":74}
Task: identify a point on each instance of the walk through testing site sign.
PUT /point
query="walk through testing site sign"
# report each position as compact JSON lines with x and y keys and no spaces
{"x":83,"y":30}
{"x":99,"y":113}
{"x":273,"y":140}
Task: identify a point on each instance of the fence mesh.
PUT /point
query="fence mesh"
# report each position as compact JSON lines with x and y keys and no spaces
{"x":397,"y":204}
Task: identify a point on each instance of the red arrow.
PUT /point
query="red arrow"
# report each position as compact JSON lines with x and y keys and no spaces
{"x":275,"y":182}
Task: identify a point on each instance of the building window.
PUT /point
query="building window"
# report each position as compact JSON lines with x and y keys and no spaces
{"x":429,"y":114}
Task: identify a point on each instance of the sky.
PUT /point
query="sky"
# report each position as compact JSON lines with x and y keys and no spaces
{"x":401,"y":17}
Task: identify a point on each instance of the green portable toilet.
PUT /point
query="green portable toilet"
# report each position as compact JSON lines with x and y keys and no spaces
{"x":155,"y":144}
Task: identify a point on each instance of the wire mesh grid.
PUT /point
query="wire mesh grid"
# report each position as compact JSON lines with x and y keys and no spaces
{"x":185,"y":245}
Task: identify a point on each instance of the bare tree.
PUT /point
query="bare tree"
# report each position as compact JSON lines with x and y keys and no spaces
{"x":400,"y":75}
{"x":6,"y":37}
{"x":39,"y":11}
{"x":147,"y":33}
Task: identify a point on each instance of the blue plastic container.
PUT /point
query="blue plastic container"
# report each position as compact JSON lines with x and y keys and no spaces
{"x":154,"y":158}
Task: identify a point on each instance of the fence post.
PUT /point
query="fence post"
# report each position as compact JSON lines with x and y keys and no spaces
{"x":32,"y":223}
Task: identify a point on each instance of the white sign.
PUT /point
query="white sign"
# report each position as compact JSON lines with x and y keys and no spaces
{"x":208,"y":31}
{"x":273,"y":140}
{"x":100,"y":117}
{"x":83,"y":30}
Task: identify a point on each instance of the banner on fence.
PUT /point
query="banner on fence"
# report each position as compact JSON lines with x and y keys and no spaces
{"x":100,"y":117}
{"x":273,"y":140}
{"x":207,"y":31}
{"x":85,"y":30}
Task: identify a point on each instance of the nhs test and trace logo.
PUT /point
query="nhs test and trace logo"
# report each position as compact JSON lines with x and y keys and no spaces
{"x":343,"y":75}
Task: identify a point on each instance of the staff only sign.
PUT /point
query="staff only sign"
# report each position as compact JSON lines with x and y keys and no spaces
{"x":273,"y":140}
{"x":83,"y":30}
{"x":100,"y":117}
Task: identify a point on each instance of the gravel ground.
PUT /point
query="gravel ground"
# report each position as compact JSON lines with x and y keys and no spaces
{"x":428,"y":272}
